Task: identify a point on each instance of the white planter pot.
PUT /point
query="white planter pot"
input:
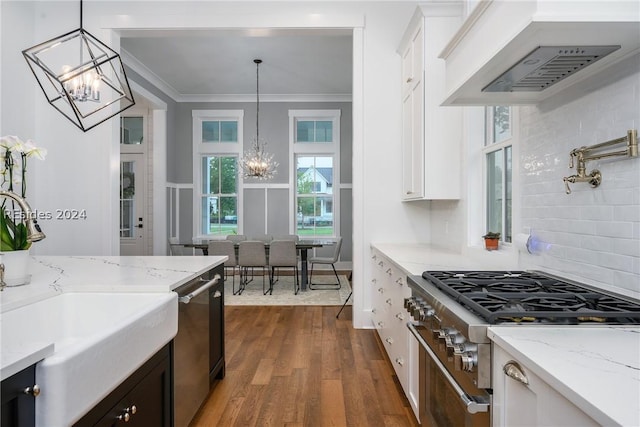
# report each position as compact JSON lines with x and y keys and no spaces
{"x":16,"y":267}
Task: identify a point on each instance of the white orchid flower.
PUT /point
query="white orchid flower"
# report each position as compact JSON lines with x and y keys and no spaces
{"x":31,"y":150}
{"x":12,"y":143}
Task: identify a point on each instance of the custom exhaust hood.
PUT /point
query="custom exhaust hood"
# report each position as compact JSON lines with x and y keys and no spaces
{"x":522,"y":52}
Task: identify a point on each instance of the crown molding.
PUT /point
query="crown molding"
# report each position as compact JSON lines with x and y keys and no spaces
{"x":137,"y":66}
{"x":338,"y":97}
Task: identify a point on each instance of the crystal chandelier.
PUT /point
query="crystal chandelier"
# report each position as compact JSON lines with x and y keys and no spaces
{"x":81,"y":77}
{"x":257,"y":163}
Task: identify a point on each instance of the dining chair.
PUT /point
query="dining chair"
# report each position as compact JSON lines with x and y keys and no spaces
{"x":226,"y":248}
{"x":283,"y":254}
{"x":293,"y":237}
{"x":266,"y":238}
{"x":251,"y":255}
{"x":330,"y":260}
{"x":236,"y":237}
{"x":175,"y":248}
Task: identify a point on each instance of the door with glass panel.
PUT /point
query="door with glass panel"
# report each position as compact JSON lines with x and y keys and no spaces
{"x":133,"y":229}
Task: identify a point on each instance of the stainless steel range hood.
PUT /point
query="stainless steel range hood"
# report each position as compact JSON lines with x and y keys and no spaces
{"x":546,"y":66}
{"x":496,"y":57}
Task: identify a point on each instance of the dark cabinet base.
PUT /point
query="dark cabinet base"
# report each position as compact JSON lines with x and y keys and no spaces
{"x":144,"y":399}
{"x":18,"y":408}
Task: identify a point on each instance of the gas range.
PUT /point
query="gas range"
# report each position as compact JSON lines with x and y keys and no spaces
{"x":453,"y":309}
{"x":532,"y":297}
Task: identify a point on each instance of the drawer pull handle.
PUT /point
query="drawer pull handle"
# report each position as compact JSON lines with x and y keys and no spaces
{"x":381,"y":324}
{"x":399,"y":281}
{"x":513,"y":370}
{"x":381,"y":290}
{"x":373,"y":281}
{"x":400,"y":316}
{"x":389,"y":340}
{"x":409,"y":79}
{"x":374,"y":310}
{"x":381,"y":264}
{"x":389,"y":301}
{"x":400,"y":361}
{"x":33,"y":391}
{"x":374,"y":256}
{"x":389,"y":271}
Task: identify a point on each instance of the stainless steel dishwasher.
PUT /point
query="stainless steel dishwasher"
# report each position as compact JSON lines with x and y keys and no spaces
{"x":199,"y":344}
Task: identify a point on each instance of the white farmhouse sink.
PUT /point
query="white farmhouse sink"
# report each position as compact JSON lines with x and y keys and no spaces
{"x":99,"y":340}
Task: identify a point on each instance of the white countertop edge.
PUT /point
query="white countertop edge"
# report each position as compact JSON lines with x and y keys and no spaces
{"x":604,"y":416}
{"x":15,"y":361}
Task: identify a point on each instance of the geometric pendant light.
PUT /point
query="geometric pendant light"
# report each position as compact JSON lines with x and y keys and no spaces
{"x":81,"y":77}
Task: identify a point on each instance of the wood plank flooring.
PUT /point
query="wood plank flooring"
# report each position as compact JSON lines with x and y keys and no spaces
{"x":300,"y":366}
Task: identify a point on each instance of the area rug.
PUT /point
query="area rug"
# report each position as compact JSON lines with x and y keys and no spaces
{"x":283,"y":293}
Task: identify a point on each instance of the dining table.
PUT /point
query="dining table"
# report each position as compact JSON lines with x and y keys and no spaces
{"x":302,"y":245}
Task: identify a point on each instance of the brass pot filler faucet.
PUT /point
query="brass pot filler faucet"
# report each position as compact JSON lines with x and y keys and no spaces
{"x":585,"y":154}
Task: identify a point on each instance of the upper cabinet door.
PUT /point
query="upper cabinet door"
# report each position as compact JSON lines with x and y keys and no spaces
{"x":431,"y":134}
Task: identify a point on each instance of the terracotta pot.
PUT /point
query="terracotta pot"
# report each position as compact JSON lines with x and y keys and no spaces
{"x":491,"y":244}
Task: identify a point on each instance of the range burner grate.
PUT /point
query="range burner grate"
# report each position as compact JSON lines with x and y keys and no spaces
{"x":521,"y":296}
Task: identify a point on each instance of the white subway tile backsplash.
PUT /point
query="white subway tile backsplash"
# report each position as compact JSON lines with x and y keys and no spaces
{"x":594,"y":232}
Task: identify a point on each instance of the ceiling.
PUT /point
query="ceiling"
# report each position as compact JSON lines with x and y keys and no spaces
{"x":194,"y":64}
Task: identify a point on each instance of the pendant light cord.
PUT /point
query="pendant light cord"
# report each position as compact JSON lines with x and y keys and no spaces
{"x":257,"y":61}
{"x":81,"y":14}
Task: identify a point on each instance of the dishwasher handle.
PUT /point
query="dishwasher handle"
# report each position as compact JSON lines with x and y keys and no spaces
{"x":187,"y":298}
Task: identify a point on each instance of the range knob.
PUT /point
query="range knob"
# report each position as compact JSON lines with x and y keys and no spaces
{"x":422,"y":312}
{"x":469,"y":361}
{"x":452,"y":339}
{"x":465,"y":356}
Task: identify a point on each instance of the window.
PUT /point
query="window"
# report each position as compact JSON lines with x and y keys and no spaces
{"x":314,"y":137}
{"x":314,"y":131}
{"x":499,"y":170}
{"x":219,"y":198}
{"x":217,"y":135}
{"x":131,"y":130}
{"x":314,"y":195}
{"x":219,"y":131}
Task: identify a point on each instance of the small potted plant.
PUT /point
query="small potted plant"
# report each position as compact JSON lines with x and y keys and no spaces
{"x":491,"y":240}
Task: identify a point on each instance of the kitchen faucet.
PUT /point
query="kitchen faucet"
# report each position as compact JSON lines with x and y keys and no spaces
{"x":34,"y":233}
{"x":585,"y":154}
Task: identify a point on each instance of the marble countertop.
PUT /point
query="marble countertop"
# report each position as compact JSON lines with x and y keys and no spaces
{"x":596,"y":368}
{"x":414,"y":258}
{"x":52,"y":275}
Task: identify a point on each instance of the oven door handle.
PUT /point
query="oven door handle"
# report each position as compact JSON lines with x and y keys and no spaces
{"x":187,"y":298}
{"x":473,"y":406}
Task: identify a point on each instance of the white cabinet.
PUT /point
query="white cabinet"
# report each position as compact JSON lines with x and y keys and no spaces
{"x":518,"y":404}
{"x":431,"y":134}
{"x":389,"y":317}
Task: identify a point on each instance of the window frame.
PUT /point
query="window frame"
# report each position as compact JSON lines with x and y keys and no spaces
{"x":218,"y":149}
{"x":324,"y":149}
{"x":491,"y":146}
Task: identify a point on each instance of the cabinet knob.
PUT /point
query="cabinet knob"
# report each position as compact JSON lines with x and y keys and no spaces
{"x":389,"y":340}
{"x":400,"y":361}
{"x":32,"y":391}
{"x":126,"y":416}
{"x":409,"y":79}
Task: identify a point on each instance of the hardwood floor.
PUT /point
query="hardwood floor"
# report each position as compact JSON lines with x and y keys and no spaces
{"x":300,"y":366}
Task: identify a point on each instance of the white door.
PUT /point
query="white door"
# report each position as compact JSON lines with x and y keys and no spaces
{"x":132,"y":208}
